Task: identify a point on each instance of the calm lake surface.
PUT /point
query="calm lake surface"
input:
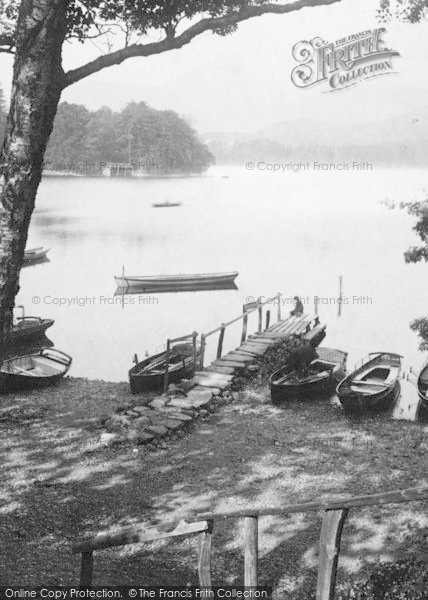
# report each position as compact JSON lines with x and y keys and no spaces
{"x":288,"y":232}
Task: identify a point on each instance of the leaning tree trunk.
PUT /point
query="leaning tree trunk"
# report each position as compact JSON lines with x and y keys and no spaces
{"x":36,"y":89}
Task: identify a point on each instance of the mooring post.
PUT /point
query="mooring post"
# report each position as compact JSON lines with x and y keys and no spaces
{"x":86,"y":568}
{"x":204,"y":558}
{"x":267,"y":319}
{"x":279,"y":306}
{"x":339,"y":308}
{"x":260,"y":325}
{"x":316,"y":305}
{"x":166,"y":377}
{"x":331,"y":533}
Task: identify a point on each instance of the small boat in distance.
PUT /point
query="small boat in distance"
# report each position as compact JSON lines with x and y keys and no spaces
{"x":149,"y":282}
{"x":148,"y":375}
{"x":423,"y":393}
{"x":33,"y":370}
{"x":165,"y":204}
{"x":35,"y":255}
{"x":323,"y":374}
{"x":374,"y":385}
{"x":27,"y":328}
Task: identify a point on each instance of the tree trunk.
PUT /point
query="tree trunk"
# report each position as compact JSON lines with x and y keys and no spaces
{"x":37,"y":83}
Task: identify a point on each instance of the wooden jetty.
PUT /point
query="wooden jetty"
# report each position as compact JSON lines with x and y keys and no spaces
{"x":221,"y":372}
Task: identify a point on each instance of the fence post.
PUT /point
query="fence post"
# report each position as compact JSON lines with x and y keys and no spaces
{"x":250,"y":551}
{"x":204,"y":557}
{"x":166,"y":377}
{"x":279,"y":306}
{"x":244,"y":328}
{"x":267,"y":319}
{"x":331,"y":532}
{"x":220,"y":341}
{"x":260,"y":325}
{"x":195,"y":350}
{"x":86,"y":569}
{"x":201,"y":359}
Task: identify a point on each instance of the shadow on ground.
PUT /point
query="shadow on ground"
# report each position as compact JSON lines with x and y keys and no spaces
{"x":59,"y":485}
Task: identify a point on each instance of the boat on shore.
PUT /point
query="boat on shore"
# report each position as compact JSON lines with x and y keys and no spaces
{"x":34,"y":370}
{"x":35,"y":255}
{"x":166,"y":204}
{"x":373,"y":386}
{"x":150,"y":282}
{"x":148,"y":375}
{"x":422,"y":412}
{"x":323,"y":374}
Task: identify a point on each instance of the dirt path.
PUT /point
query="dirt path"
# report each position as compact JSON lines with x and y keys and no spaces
{"x":56,"y":486}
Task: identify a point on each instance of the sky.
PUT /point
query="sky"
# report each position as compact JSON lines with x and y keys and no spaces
{"x":241,"y":83}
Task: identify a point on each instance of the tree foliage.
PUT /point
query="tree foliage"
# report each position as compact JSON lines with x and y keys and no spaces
{"x":411,"y":11}
{"x":155,"y":141}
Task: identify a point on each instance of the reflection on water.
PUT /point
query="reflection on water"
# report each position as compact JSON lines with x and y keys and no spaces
{"x":289,"y":233}
{"x":35,"y":262}
{"x":182,"y":287}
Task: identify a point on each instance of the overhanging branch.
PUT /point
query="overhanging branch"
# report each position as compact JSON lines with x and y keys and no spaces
{"x":208,"y":24}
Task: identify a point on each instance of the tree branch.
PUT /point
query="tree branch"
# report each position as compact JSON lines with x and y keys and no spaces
{"x":208,"y":24}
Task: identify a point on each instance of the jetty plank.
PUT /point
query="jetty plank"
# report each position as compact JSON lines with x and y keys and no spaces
{"x":219,"y":369}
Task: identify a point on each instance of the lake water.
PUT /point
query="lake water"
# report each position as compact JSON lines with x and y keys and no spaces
{"x":293,"y":233}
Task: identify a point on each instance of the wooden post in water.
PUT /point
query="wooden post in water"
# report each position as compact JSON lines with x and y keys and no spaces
{"x":202,"y":356}
{"x":220,"y":341}
{"x":260,"y":325}
{"x":267,"y":319}
{"x":166,"y":377}
{"x":123,"y":286}
{"x":204,"y":557}
{"x":244,"y":328}
{"x":331,"y":532}
{"x":339,"y":308}
{"x":195,"y":350}
{"x":316,"y":305}
{"x":279,"y":306}
{"x":251,"y":550}
{"x":86,"y":568}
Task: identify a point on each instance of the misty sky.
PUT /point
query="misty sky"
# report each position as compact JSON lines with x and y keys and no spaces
{"x":242,"y":82}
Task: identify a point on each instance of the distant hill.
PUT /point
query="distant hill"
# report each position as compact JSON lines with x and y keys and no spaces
{"x":395,"y":142}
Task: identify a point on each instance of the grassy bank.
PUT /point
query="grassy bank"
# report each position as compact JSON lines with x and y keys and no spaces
{"x":60,"y":482}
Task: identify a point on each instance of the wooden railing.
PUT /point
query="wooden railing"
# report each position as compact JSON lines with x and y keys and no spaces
{"x":244,"y":318}
{"x":335,"y":513}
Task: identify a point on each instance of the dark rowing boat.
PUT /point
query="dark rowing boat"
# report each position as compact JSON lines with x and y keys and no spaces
{"x":28,"y":328}
{"x":321,"y":376}
{"x":374,"y":385}
{"x":37,"y":369}
{"x":423,"y":393}
{"x":148,"y":375}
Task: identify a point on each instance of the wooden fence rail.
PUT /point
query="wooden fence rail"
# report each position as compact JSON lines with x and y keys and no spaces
{"x":335,"y":513}
{"x":244,"y":318}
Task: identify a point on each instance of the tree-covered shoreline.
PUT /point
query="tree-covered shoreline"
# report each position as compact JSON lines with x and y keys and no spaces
{"x":136,"y":139}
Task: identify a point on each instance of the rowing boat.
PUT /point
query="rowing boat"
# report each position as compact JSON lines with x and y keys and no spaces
{"x":374,"y":385}
{"x":322,"y":375}
{"x":423,"y":393}
{"x":33,"y":370}
{"x":35,"y":254}
{"x":148,"y":375}
{"x":149,"y":282}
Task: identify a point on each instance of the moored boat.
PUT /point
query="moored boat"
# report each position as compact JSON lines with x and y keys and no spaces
{"x":33,"y":370}
{"x":374,"y":385}
{"x":149,"y":282}
{"x":148,"y":375}
{"x":422,"y":412}
{"x":27,"y":328}
{"x":35,"y":254}
{"x":321,"y":377}
{"x":165,"y":204}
